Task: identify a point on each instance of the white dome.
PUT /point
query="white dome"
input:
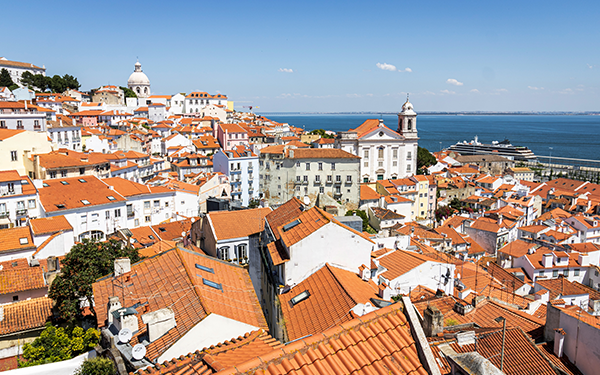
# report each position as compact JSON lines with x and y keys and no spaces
{"x":138,"y":77}
{"x":407,"y":106}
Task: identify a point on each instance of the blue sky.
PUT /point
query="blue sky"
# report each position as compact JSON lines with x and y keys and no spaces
{"x":326,"y":56}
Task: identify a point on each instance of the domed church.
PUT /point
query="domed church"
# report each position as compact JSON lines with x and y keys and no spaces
{"x":139,"y":82}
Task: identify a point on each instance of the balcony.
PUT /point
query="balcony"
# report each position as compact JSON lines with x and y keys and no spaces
{"x":235,"y":171}
{"x":22,"y":211}
{"x":4,"y":214}
{"x":130,"y":215}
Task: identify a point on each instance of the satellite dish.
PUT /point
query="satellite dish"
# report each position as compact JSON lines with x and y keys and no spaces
{"x":138,"y":352}
{"x":125,"y":335}
{"x":306,"y":200}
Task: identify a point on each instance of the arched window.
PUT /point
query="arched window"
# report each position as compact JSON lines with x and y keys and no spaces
{"x":145,"y":90}
{"x":223,"y":253}
{"x":409,"y":124}
{"x":380,"y":153}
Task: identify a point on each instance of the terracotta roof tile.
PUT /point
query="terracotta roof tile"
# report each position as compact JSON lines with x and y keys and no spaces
{"x":320,"y":153}
{"x":234,"y":224}
{"x":366,"y":193}
{"x":14,"y":239}
{"x":378,"y":342}
{"x":172,"y":231}
{"x":48,"y":225}
{"x":25,"y":315}
{"x":21,"y":279}
{"x":333,"y":293}
{"x":68,"y":193}
{"x":171,"y":280}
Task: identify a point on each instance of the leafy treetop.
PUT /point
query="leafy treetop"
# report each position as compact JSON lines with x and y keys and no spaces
{"x":424,"y":159}
{"x":82,"y":266}
{"x":6,"y":80}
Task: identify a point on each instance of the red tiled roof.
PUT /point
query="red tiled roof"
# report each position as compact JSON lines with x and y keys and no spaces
{"x":48,"y":225}
{"x":378,"y":342}
{"x":320,"y":153}
{"x":171,"y":280}
{"x":14,"y":239}
{"x":235,"y":224}
{"x":366,"y":193}
{"x":59,"y":196}
{"x":25,"y":315}
{"x":333,"y":293}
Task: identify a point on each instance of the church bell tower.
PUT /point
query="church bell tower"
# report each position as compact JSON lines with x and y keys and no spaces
{"x":407,"y":121}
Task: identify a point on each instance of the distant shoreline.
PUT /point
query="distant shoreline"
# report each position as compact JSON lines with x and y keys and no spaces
{"x":443,"y":113}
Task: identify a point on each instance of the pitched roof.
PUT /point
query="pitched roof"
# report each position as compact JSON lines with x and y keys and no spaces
{"x":46,"y":225}
{"x":333,"y":293}
{"x":171,"y":279}
{"x":517,"y":248}
{"x":172,"y":231}
{"x":368,"y":126}
{"x":68,"y":193}
{"x":320,"y":153}
{"x":21,"y":279}
{"x":25,"y":315}
{"x":8,"y":133}
{"x":378,"y":342}
{"x":18,"y":64}
{"x":385,"y":214}
{"x":400,"y":262}
{"x":15,"y":239}
{"x":367,"y":194}
{"x":561,"y":287}
{"x":235,"y":224}
{"x":284,"y":214}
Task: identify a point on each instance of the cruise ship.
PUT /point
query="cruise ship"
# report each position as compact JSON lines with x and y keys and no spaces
{"x":504,"y":148}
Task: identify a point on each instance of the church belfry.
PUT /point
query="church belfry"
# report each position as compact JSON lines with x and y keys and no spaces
{"x":407,"y":121}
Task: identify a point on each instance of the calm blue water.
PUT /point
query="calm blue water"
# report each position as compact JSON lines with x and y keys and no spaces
{"x":569,"y":136}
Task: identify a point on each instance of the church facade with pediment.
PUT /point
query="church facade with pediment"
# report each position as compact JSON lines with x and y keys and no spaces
{"x":385,"y":153}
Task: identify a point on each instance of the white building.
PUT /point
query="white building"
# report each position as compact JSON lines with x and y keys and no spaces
{"x":386,"y":154}
{"x":139,"y":82}
{"x":195,"y":101}
{"x":91,"y":206}
{"x":241,"y":167}
{"x":65,"y":134}
{"x":16,"y":69}
{"x":18,"y":199}
{"x":18,"y":115}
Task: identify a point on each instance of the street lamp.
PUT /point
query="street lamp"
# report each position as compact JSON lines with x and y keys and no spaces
{"x":503,"y":320}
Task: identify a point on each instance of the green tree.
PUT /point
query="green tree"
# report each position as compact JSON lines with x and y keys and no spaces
{"x":6,"y":80}
{"x":71,"y":82}
{"x":456,"y":204}
{"x":322,"y":133}
{"x":424,"y":159}
{"x":58,"y":344}
{"x":129,"y":93}
{"x":443,"y":212}
{"x":57,"y":84}
{"x":86,"y":262}
{"x":96,"y":366}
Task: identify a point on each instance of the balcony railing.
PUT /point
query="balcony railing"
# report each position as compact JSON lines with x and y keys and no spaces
{"x":22,"y":211}
{"x":4,"y":214}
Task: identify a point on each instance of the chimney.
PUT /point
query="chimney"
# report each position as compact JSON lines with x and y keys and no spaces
{"x":559,"y":340}
{"x":594,"y":305}
{"x":60,"y":122}
{"x":584,"y":260}
{"x":122,"y":265}
{"x":113,"y":305}
{"x":547,"y":260}
{"x":499,"y":219}
{"x":159,"y":322}
{"x":433,"y":321}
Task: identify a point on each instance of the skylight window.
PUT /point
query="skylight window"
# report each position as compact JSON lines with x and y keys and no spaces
{"x":85,"y":202}
{"x":291,"y":225}
{"x":23,"y":241}
{"x":204,"y":268}
{"x":60,"y":205}
{"x":82,"y":180}
{"x":151,"y":237}
{"x":212,"y":284}
{"x":45,"y":184}
{"x":111,"y":198}
{"x":162,"y":229}
{"x":24,"y":182}
{"x":300,"y":297}
{"x":64,"y":182}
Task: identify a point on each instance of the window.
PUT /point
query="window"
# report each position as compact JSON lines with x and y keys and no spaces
{"x":13,"y":156}
{"x":408,"y":168}
{"x":576,"y":272}
{"x":3,"y":124}
{"x":379,"y":177}
{"x":85,"y":202}
{"x":555,"y":273}
{"x":146,"y":205}
{"x":409,"y":124}
{"x":81,"y":171}
{"x":408,"y":155}
{"x":111,"y":198}
{"x":366,"y":179}
{"x":338,"y":178}
{"x":212,"y":284}
{"x":395,"y":153}
{"x":147,"y":218}
{"x":318,"y":179}
{"x":380,"y":153}
{"x":20,"y":205}
{"x":156,"y":204}
{"x":11,"y":187}
{"x":298,"y":164}
{"x":394,"y":163}
{"x":83,"y":219}
{"x":118,"y":212}
{"x":95,"y":218}
{"x":320,"y":166}
{"x":19,"y":124}
{"x":366,"y":153}
{"x":321,"y":190}
{"x":52,"y":174}
{"x":31,"y":203}
{"x":305,"y":178}
{"x":298,"y":178}
{"x":329,"y":179}
{"x":15,"y":298}
{"x":338,"y":190}
{"x":333,"y":166}
{"x":349,"y":179}
{"x":298,"y":188}
{"x":308,"y":166}
{"x":566,"y":272}
{"x":63,"y":173}
{"x":2,"y":208}
{"x":136,"y":222}
{"x":366,"y":163}
{"x":300,"y":297}
{"x":223,"y":253}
